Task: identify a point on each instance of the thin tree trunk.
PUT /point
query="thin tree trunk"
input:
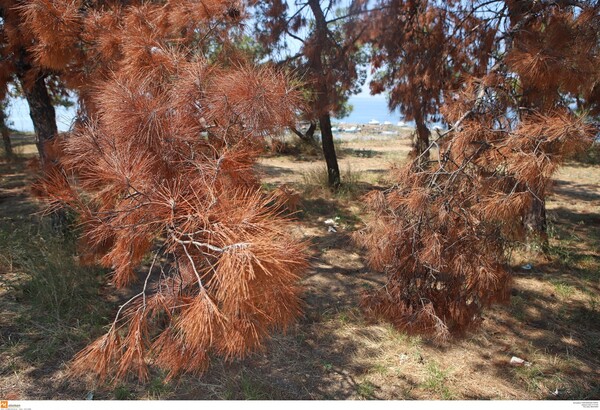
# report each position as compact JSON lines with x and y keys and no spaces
{"x":5,"y":136}
{"x":333,"y":170}
{"x":536,"y":226}
{"x":322,"y":100}
{"x":535,"y":219}
{"x":41,"y":111}
{"x":422,"y":139}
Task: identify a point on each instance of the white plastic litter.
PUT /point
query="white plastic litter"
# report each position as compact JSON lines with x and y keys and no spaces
{"x":517,"y":361}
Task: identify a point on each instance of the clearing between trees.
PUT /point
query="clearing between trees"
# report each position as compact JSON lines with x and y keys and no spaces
{"x":52,"y":308}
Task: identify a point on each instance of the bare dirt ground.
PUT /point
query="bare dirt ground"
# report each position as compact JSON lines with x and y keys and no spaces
{"x":333,"y":352}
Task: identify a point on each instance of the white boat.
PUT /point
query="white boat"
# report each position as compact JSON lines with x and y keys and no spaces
{"x":401,"y":124}
{"x":373,"y":122}
{"x":351,"y":129}
{"x":387,"y":123}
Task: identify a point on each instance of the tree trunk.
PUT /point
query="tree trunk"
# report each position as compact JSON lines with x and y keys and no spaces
{"x":535,"y":219}
{"x":333,"y":170}
{"x":322,"y":97}
{"x":535,"y":224}
{"x":5,"y":136}
{"x":422,"y":139}
{"x":41,"y":111}
{"x":43,"y":117}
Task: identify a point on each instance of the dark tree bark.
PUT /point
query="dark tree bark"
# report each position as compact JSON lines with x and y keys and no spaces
{"x":43,"y":116}
{"x":333,"y":170}
{"x":5,"y":136}
{"x":322,"y":94}
{"x":536,"y":225}
{"x":535,"y":220}
{"x":41,"y":111}
{"x":422,"y":139}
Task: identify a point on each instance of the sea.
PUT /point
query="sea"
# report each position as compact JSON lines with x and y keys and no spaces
{"x":365,"y":109}
{"x":368,"y":108}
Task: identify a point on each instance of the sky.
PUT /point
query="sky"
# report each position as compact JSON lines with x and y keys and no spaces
{"x":19,"y":119}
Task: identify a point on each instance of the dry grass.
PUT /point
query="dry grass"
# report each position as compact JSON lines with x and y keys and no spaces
{"x":553,"y":320}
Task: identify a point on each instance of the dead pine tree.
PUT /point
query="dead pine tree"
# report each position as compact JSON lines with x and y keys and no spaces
{"x":419,"y":52}
{"x":440,"y":233}
{"x":330,"y":59}
{"x":160,"y":168}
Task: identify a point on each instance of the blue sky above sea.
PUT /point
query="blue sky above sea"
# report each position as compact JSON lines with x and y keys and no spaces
{"x":365,"y":109}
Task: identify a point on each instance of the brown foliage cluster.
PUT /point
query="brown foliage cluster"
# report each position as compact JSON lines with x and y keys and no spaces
{"x":12,"y":39}
{"x":160,"y":174}
{"x":422,"y":48}
{"x":83,"y":40}
{"x":442,"y":231}
{"x":559,"y":52}
{"x":330,"y":58}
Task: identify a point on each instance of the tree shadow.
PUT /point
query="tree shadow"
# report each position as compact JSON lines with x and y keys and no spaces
{"x":576,"y":191}
{"x":272,"y":171}
{"x":344,"y":152}
{"x":560,"y":338}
